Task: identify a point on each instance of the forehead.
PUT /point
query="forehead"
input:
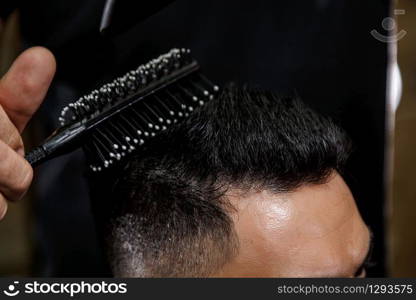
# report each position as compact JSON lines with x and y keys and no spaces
{"x":313,"y":231}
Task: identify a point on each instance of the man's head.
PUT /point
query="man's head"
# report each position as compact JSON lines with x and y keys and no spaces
{"x":249,"y":185}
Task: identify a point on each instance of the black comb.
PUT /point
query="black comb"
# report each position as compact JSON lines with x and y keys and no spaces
{"x":114,"y":120}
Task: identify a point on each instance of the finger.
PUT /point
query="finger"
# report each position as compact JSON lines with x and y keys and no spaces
{"x":24,"y":86}
{"x":15,"y":173}
{"x":3,"y":206}
{"x":9,"y":133}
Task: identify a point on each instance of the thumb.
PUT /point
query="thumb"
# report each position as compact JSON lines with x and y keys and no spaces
{"x":24,"y":86}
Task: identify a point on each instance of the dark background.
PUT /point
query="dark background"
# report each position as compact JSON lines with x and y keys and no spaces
{"x":321,"y":49}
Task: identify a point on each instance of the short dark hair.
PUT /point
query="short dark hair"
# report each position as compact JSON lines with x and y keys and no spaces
{"x":166,"y":214}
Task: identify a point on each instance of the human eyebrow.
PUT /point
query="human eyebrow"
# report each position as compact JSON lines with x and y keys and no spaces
{"x":367,"y":261}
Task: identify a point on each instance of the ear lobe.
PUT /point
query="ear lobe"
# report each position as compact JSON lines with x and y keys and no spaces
{"x":24,"y":86}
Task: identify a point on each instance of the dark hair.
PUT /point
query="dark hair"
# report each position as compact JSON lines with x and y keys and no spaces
{"x":166,"y":214}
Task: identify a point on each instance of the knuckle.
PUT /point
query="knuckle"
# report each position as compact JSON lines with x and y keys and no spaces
{"x":8,"y":132}
{"x":15,"y":173}
{"x":8,"y":162}
{"x":3,"y":207}
{"x":15,"y":140}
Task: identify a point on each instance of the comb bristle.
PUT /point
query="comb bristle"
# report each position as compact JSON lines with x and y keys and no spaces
{"x":137,"y":125}
{"x":137,"y":122}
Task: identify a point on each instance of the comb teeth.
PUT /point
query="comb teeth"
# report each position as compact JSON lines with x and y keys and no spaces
{"x":124,"y":86}
{"x":131,"y":128}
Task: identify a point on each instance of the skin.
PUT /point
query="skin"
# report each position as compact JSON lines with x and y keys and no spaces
{"x":22,"y":90}
{"x":315,"y":231}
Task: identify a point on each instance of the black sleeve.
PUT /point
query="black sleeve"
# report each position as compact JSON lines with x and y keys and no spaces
{"x":7,"y":7}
